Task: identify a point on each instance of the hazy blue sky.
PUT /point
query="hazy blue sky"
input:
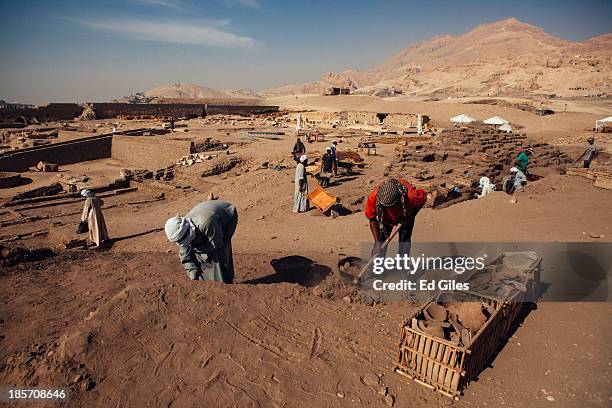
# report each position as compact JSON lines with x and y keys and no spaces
{"x":78,"y":50}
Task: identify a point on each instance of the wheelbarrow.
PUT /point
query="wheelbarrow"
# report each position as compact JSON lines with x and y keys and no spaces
{"x":322,"y":200}
{"x":347,"y":166}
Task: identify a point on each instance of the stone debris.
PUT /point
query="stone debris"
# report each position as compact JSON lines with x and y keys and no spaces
{"x":192,"y":159}
{"x":88,"y":113}
{"x":450,"y":165}
{"x":47,"y":167}
{"x":370,"y":379}
{"x":48,"y":190}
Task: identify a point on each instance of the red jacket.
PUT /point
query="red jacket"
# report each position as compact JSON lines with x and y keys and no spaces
{"x":393,"y":215}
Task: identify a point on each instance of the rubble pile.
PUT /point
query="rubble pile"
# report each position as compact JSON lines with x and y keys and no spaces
{"x":48,"y":190}
{"x":348,"y":155}
{"x":451,"y":164}
{"x":192,"y":159}
{"x":141,"y":175}
{"x":88,"y":113}
{"x":209,"y":144}
{"x":73,"y":183}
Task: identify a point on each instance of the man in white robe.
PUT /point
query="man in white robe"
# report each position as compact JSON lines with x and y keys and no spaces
{"x":92,"y":213}
{"x":300,"y":196}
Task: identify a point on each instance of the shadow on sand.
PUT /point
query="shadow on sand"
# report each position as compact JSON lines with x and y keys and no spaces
{"x":294,"y":269}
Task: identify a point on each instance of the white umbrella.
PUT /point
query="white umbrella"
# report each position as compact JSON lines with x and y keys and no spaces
{"x":463,"y":118}
{"x":601,"y":122}
{"x":495,"y":120}
{"x":506,"y":128}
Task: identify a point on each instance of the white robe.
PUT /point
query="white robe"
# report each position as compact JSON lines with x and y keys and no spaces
{"x":92,"y":213}
{"x":300,"y":199}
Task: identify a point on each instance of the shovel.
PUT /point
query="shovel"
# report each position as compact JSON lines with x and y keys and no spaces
{"x":365,"y":268}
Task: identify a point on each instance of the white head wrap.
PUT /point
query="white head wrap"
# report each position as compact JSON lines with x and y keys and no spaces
{"x":303,"y":158}
{"x":484,"y":181}
{"x":180,"y":230}
{"x":87,"y":193}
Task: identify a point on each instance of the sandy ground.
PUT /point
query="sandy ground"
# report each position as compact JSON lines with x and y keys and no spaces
{"x":125,"y":327}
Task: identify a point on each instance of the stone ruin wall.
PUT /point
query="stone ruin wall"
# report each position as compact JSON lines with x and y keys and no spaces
{"x":92,"y":148}
{"x":149,"y":152}
{"x":348,"y":118}
{"x":70,"y":111}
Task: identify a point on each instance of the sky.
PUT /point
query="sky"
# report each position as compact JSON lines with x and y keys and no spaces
{"x":80,"y":50}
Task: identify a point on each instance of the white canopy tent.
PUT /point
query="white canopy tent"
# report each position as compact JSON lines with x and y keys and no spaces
{"x":463,"y":118}
{"x":602,"y":122}
{"x":495,"y":120}
{"x":506,"y":128}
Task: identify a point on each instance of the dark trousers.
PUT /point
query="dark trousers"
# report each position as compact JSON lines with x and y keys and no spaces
{"x":587,"y":164}
{"x":405,"y":237}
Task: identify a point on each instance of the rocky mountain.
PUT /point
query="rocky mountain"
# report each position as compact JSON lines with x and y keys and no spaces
{"x":507,"y":57}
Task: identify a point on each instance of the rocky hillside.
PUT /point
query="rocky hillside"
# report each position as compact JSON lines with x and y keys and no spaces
{"x":507,"y":57}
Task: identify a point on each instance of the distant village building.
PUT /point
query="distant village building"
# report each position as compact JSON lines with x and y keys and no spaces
{"x":336,"y":90}
{"x":14,"y":106}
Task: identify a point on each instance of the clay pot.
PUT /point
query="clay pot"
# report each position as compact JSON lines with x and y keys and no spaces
{"x":433,"y":329}
{"x":435,"y":312}
{"x":471,"y":316}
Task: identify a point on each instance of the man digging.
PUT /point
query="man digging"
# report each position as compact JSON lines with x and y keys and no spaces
{"x":393,"y":202}
{"x":204,"y":237}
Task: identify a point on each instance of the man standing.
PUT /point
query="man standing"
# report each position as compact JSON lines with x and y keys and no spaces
{"x":204,"y":237}
{"x":327,"y":164}
{"x":334,"y":152}
{"x":298,"y":150}
{"x":92,"y":214}
{"x":522,"y":160}
{"x":393,"y":202}
{"x":589,"y":154}
{"x":300,"y":196}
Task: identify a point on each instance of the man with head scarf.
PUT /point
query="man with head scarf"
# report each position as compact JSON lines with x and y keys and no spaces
{"x":519,"y":178}
{"x":300,"y":196}
{"x":486,"y":187}
{"x":393,"y":202}
{"x":522,"y":160}
{"x":92,"y":213}
{"x":204,"y":236}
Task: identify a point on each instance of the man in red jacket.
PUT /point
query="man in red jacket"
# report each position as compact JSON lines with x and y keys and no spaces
{"x":393,"y":202}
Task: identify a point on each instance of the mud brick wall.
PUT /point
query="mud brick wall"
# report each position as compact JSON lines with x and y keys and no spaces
{"x":243,"y":110}
{"x":161,"y":110}
{"x":69,"y":111}
{"x":51,"y":112}
{"x":92,"y":148}
{"x":154,"y":110}
{"x":364,"y":118}
{"x":401,"y":120}
{"x":149,"y":152}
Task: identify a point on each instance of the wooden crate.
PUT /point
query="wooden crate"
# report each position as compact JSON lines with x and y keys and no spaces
{"x":445,"y":367}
